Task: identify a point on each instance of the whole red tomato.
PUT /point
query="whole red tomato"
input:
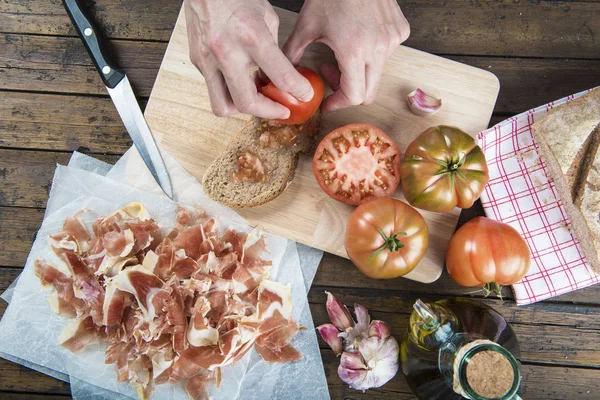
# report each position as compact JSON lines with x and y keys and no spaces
{"x":357,"y":163}
{"x":487,"y":253}
{"x":443,"y":168}
{"x":299,"y":111}
{"x":386,"y":238}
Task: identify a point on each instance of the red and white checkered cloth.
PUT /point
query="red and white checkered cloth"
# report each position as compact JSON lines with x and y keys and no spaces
{"x":520,"y":194}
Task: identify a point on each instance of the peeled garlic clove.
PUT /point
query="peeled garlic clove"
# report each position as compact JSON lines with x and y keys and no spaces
{"x":338,"y":313}
{"x":330,"y":333}
{"x":423,"y":104}
{"x":379,"y":329}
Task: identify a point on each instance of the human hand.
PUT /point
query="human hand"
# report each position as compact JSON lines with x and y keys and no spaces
{"x":229,"y":37}
{"x":362,"y":35}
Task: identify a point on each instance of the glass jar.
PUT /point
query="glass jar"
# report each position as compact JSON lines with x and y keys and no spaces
{"x":445,"y":337}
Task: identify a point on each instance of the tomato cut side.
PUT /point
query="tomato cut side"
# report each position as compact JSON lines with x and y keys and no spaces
{"x":357,"y":163}
{"x":299,"y":111}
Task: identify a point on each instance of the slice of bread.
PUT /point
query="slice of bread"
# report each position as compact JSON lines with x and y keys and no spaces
{"x":279,"y":162}
{"x":568,"y":138}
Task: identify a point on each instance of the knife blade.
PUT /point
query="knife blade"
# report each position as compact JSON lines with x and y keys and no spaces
{"x":121,"y":93}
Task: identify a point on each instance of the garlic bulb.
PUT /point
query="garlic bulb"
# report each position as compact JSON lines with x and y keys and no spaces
{"x":369,"y":352}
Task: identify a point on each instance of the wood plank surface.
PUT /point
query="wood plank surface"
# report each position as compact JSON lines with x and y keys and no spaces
{"x":25,"y":176}
{"x":58,"y":64}
{"x":38,"y":121}
{"x":61,"y":64}
{"x":506,"y":28}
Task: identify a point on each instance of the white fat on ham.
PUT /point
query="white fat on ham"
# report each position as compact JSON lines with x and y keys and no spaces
{"x":199,"y":333}
{"x":130,"y":211}
{"x":141,"y":283}
{"x":78,"y":334}
{"x":274,"y":296}
{"x":150,"y":261}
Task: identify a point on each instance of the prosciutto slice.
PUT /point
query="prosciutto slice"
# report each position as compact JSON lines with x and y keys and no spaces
{"x":173,"y":307}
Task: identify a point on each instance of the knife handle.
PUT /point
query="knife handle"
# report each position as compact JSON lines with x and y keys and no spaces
{"x":94,"y":43}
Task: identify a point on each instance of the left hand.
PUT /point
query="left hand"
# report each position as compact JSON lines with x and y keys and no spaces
{"x":362,"y":35}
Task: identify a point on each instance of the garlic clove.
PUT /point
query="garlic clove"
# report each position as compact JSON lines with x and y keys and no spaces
{"x":358,"y":379}
{"x":379,"y":329}
{"x":330,"y":333}
{"x":362,"y":317}
{"x":423,"y":104}
{"x":352,"y":360}
{"x":338,"y":313}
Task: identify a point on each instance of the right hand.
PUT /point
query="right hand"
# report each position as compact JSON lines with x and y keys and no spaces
{"x":229,"y":37}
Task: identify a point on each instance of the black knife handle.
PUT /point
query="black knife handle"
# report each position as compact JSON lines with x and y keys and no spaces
{"x":94,"y":43}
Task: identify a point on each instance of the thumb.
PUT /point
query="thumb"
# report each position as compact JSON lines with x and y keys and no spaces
{"x":301,"y":37}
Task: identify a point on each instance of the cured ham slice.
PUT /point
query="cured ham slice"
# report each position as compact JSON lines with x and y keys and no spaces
{"x":85,"y":286}
{"x":173,"y":307}
{"x":141,"y":283}
{"x":79,"y":334}
{"x":196,"y":386}
{"x":62,"y":299}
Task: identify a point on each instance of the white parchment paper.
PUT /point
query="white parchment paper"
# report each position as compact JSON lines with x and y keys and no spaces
{"x":28,"y":319}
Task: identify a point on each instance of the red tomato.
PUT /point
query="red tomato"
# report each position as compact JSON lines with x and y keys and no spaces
{"x":386,"y":238}
{"x":487,"y":253}
{"x":357,"y":163}
{"x":299,"y":111}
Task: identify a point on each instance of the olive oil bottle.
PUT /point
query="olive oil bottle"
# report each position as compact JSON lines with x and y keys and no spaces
{"x":450,"y":340}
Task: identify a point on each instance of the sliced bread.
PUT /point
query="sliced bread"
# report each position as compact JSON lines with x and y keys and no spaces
{"x":277,"y":163}
{"x":569,"y":143}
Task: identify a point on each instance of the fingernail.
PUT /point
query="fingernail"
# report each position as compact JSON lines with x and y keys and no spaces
{"x":308,"y":95}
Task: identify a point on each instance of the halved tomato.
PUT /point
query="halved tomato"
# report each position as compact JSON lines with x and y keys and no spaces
{"x":299,"y":111}
{"x":357,"y":163}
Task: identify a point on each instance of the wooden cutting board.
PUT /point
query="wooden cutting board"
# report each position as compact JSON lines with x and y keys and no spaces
{"x":180,"y":116}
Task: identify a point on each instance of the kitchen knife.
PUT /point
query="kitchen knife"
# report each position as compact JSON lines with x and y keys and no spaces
{"x":120,"y":91}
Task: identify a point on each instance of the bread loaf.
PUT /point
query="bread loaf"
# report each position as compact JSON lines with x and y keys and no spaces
{"x":568,"y":138}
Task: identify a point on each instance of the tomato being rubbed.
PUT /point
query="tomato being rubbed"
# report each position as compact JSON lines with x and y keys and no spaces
{"x":299,"y":111}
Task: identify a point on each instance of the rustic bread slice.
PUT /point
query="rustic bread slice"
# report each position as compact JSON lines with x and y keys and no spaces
{"x":565,"y":129}
{"x":590,"y":208}
{"x":279,"y":163}
{"x":569,"y":139}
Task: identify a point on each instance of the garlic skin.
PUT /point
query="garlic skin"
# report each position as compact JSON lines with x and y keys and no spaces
{"x":370,"y":356}
{"x":330,"y":335}
{"x":338,"y":313}
{"x":423,"y":104}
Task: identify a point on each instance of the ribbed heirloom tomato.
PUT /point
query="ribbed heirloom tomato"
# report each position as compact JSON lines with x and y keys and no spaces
{"x":386,"y":238}
{"x":299,"y":111}
{"x":357,"y":163}
{"x":443,"y":168}
{"x":487,"y":253}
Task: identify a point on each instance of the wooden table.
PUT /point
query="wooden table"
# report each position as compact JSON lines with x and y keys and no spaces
{"x":52,"y":102}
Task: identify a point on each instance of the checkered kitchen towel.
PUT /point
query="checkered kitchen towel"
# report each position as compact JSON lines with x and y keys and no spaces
{"x":520,"y":194}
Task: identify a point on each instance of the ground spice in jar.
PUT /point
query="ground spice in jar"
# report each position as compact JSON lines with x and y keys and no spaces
{"x":490,"y":374}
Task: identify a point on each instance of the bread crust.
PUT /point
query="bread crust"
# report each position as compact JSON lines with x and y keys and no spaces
{"x":568,"y":138}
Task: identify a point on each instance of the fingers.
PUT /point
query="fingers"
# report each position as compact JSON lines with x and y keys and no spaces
{"x":373,"y":74}
{"x":304,"y":33}
{"x":244,"y":94}
{"x":352,"y":88}
{"x":331,"y":73}
{"x":281,"y":71}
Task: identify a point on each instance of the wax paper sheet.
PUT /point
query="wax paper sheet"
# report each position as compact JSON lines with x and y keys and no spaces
{"x":39,"y":328}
